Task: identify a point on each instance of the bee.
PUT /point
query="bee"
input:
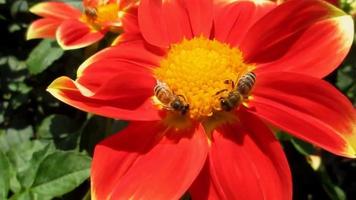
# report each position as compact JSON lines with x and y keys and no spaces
{"x":246,"y":83}
{"x":91,"y":12}
{"x":170,"y":100}
{"x":229,"y":102}
{"x":239,"y":91}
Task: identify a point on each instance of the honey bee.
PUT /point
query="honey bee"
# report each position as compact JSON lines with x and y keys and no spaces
{"x":246,"y":83}
{"x":170,"y":100}
{"x":239,"y":91}
{"x":91,"y":12}
{"x":229,"y":102}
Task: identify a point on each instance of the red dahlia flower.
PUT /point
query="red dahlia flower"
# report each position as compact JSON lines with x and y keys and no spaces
{"x":75,"y":29}
{"x":200,"y":82}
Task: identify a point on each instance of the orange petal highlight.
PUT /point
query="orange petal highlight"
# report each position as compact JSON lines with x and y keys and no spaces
{"x":309,"y":37}
{"x":308,"y":108}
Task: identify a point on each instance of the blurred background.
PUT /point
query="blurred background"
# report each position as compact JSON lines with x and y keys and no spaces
{"x":46,"y":146}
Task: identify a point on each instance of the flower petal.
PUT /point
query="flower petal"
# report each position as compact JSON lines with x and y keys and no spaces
{"x":308,"y":108}
{"x":121,"y":80}
{"x":58,"y":10}
{"x":74,"y":34}
{"x":126,"y":37}
{"x":121,"y":96}
{"x":242,"y":15}
{"x":303,"y":36}
{"x":43,"y":28}
{"x":136,"y":51}
{"x":201,"y":16}
{"x":94,"y":3}
{"x":130,"y":21}
{"x":245,"y":162}
{"x":148,"y":161}
{"x":163,"y":22}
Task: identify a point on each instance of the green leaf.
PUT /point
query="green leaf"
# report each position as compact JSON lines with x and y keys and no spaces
{"x":28,"y":195}
{"x":303,"y":147}
{"x":25,"y":195}
{"x":4,"y":176}
{"x":43,"y":55}
{"x":344,"y":78}
{"x":18,"y":6}
{"x":333,"y":191}
{"x":15,"y":64}
{"x":27,"y":177}
{"x":282,"y":136}
{"x":63,"y":130}
{"x":21,"y":154}
{"x":20,"y":157}
{"x":12,"y":137}
{"x":96,"y":129}
{"x":2,"y":1}
{"x":60,"y":173}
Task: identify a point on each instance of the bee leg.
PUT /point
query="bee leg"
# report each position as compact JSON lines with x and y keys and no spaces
{"x":221,"y":91}
{"x":230,"y":82}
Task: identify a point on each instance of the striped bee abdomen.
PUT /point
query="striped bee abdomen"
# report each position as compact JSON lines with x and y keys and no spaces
{"x":246,"y":83}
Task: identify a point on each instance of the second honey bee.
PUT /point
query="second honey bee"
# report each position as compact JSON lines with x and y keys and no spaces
{"x":239,"y":91}
{"x":170,"y":100}
{"x":91,"y":13}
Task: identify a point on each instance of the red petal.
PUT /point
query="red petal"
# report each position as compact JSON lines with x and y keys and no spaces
{"x":114,"y":79}
{"x":74,"y":34}
{"x":148,"y":161}
{"x":91,"y":3}
{"x":303,"y":36}
{"x":136,"y":52}
{"x":112,"y":98}
{"x":203,"y":187}
{"x":126,"y":37}
{"x":245,"y":162}
{"x":163,"y":22}
{"x":308,"y":108}
{"x":130,"y":21}
{"x":43,"y":28}
{"x":201,"y":16}
{"x":242,"y":15}
{"x":57,"y":10}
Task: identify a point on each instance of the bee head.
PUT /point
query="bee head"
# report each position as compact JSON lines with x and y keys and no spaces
{"x":176,"y":104}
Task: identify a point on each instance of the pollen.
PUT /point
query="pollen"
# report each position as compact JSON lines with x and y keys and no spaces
{"x":199,"y":71}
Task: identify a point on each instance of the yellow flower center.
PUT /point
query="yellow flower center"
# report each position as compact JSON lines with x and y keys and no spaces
{"x":100,"y":15}
{"x":201,"y":72}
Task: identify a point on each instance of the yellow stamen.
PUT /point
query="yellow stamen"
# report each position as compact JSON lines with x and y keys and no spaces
{"x":198,"y":69}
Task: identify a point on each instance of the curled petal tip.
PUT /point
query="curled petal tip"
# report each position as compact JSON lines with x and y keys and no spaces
{"x":43,"y":28}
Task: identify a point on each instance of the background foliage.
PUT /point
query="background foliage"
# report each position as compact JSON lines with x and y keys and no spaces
{"x":46,"y":146}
